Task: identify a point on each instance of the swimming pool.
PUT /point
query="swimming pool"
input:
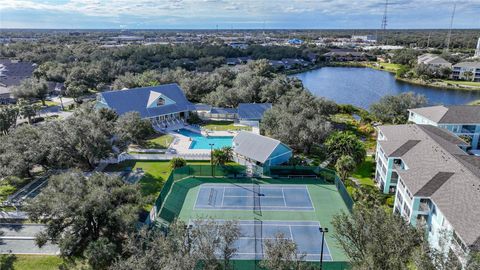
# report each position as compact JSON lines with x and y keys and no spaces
{"x":201,"y":142}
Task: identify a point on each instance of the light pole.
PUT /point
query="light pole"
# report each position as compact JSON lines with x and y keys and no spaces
{"x":323,"y":231}
{"x":188,"y":229}
{"x":211,"y":156}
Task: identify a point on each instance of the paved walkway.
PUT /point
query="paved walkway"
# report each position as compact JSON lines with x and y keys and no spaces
{"x":20,"y":239}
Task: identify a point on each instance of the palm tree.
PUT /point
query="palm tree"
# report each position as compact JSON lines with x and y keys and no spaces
{"x":222,"y":156}
{"x":468,"y":75}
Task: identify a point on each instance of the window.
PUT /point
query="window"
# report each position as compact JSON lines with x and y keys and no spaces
{"x":406,"y":210}
{"x":160,"y":102}
{"x":400,"y":198}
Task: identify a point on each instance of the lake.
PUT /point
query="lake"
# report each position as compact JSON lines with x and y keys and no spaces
{"x":363,"y":86}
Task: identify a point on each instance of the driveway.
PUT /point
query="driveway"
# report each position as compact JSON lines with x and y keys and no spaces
{"x":20,"y":239}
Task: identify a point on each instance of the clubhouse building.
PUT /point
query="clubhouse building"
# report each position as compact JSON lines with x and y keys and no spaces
{"x":167,"y":107}
{"x":163,"y":104}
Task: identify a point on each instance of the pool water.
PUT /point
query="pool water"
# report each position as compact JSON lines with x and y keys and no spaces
{"x":201,"y":142}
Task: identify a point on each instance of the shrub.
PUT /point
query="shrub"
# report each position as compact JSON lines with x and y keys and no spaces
{"x":177,"y":162}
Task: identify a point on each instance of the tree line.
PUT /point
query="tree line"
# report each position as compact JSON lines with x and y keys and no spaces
{"x":79,"y":141}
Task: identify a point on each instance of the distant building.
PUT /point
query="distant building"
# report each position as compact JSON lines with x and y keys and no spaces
{"x":341,"y":55}
{"x":477,"y":50}
{"x":469,"y":71}
{"x":312,"y":57}
{"x":365,"y":38}
{"x":12,"y":73}
{"x":258,"y":152}
{"x":233,"y":61}
{"x":461,"y":120}
{"x":238,"y":45}
{"x":433,"y":61}
{"x":290,"y":63}
{"x":295,"y":41}
{"x":436,"y":184}
{"x":126,"y":38}
{"x":276,"y":64}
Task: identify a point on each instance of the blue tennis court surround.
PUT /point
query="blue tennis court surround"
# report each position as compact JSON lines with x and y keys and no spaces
{"x":255,"y":233}
{"x":252,"y":196}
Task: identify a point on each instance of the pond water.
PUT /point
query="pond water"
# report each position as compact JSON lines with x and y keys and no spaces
{"x":363,"y":86}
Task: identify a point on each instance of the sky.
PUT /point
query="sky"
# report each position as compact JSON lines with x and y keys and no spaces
{"x":236,"y":14}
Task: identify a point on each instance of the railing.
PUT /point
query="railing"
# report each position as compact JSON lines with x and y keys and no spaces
{"x":424,"y":207}
{"x":165,"y":156}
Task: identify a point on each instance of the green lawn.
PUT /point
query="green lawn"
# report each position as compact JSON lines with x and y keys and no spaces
{"x":30,"y":262}
{"x":350,"y":124}
{"x":160,"y":142}
{"x":224,"y":125}
{"x":156,"y":173}
{"x":47,"y":103}
{"x":476,"y":102}
{"x":475,"y":84}
{"x":365,"y":171}
{"x":390,"y":67}
{"x":6,"y":190}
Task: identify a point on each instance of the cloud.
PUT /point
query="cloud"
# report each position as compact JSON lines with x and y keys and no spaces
{"x":162,"y":12}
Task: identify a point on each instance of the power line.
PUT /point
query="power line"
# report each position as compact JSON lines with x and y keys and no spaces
{"x":384,"y":19}
{"x":449,"y":36}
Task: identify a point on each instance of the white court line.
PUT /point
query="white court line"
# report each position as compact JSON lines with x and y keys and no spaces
{"x":196,"y":199}
{"x":223,"y":195}
{"x":310,"y":198}
{"x":277,"y":225}
{"x":247,"y":207}
{"x":291,"y":234}
{"x":284,"y":202}
{"x":307,"y":254}
{"x":238,"y":196}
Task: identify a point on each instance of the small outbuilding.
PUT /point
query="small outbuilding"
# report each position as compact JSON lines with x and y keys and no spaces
{"x":254,"y":150}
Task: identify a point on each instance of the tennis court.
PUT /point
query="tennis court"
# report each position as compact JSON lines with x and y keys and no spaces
{"x":255,"y":233}
{"x":254,"y":197}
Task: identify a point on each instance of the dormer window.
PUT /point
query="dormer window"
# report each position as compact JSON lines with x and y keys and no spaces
{"x":160,"y":102}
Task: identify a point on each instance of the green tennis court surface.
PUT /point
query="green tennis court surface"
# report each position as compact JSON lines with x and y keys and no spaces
{"x":294,"y":207}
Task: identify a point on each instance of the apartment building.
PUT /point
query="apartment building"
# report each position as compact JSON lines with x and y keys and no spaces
{"x":469,"y":71}
{"x":462,"y":120}
{"x":433,"y":61}
{"x":436,"y":183}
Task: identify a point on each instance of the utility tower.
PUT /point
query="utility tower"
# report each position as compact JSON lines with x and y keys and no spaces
{"x":449,"y":35}
{"x":384,"y":19}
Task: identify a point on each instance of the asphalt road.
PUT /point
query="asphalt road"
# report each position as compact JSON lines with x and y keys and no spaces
{"x":20,"y":239}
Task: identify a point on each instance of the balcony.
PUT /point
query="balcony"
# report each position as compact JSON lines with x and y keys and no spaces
{"x":424,"y":207}
{"x":394,"y":178}
{"x":470,"y":129}
{"x":421,"y":221}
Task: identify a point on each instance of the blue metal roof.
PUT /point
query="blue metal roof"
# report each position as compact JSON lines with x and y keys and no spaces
{"x":136,"y":99}
{"x":252,"y":111}
{"x":218,"y":110}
